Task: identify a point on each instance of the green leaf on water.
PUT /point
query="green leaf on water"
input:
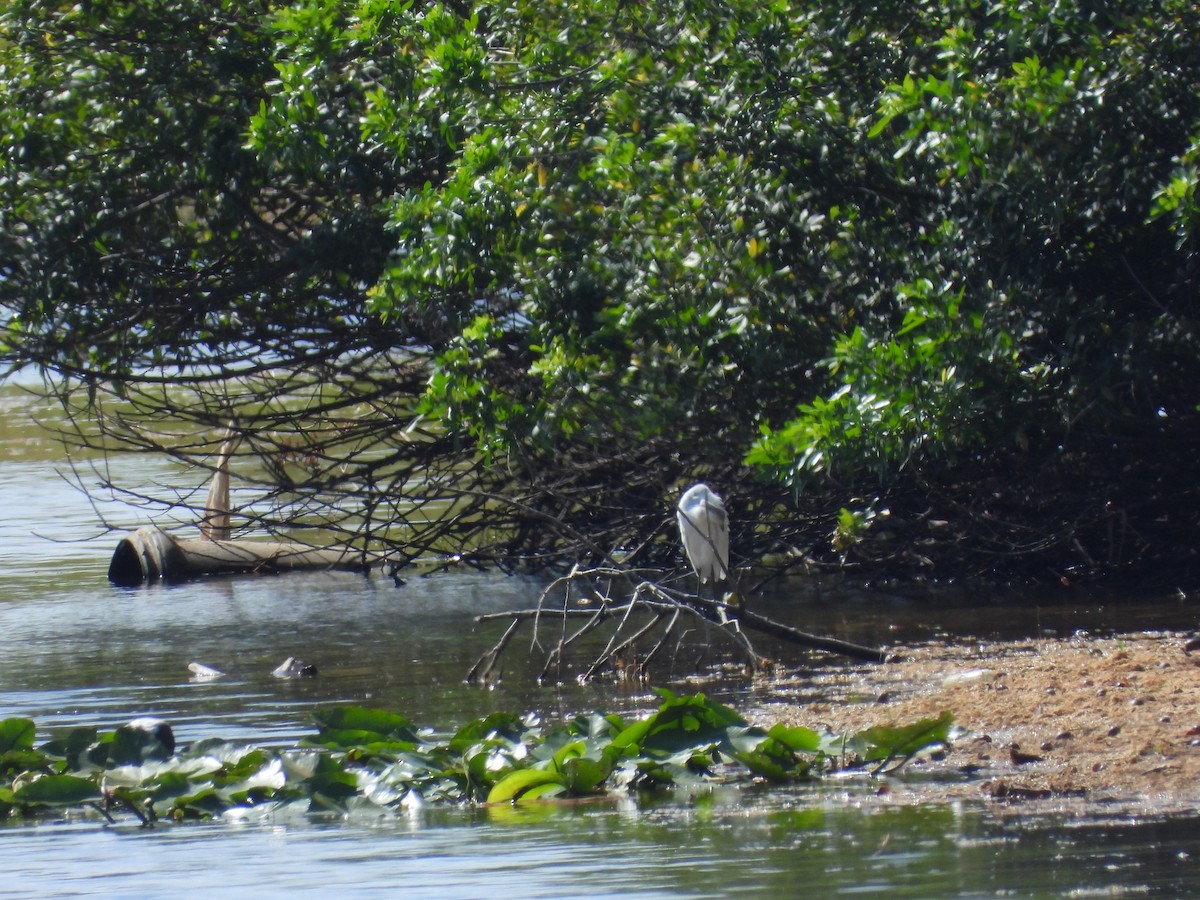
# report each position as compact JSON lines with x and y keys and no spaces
{"x":585,"y":776}
{"x":681,"y":723}
{"x":16,"y":734}
{"x":505,"y":726}
{"x":518,"y":784}
{"x":890,"y":741}
{"x":203,"y":803}
{"x":371,"y":757}
{"x":73,"y":747}
{"x":25,"y":761}
{"x":172,"y":784}
{"x":796,"y":737}
{"x":336,"y":786}
{"x":57,"y":790}
{"x":546,"y":791}
{"x":340,"y":725}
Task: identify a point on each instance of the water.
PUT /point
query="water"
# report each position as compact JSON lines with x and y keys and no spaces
{"x":76,"y":651}
{"x":781,"y":846}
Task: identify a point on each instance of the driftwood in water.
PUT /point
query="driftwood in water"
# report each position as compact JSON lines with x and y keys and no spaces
{"x":665,"y":608}
{"x":151,"y":553}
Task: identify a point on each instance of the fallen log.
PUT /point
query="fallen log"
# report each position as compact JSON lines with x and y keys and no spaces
{"x":150,"y":553}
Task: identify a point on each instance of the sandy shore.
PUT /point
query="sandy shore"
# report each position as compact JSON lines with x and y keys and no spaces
{"x":1113,"y":719}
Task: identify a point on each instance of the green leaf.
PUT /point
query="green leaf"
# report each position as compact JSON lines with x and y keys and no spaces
{"x":567,"y":752}
{"x":584,"y":775}
{"x":775,"y":762}
{"x":542,"y":792}
{"x":367,"y":741}
{"x":205,"y":802}
{"x":797,"y":738}
{"x":57,"y":790}
{"x":888,"y":741}
{"x":24,"y":761}
{"x":172,"y":784}
{"x":16,"y":734}
{"x":357,"y":718}
{"x":336,"y":786}
{"x":506,"y":726}
{"x":73,"y":748}
{"x":514,"y":786}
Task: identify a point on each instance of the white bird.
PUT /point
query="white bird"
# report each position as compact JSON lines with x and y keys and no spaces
{"x":704,"y":528}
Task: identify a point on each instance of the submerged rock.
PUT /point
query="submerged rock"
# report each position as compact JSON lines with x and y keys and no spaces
{"x":295,"y":668}
{"x":201,"y":672}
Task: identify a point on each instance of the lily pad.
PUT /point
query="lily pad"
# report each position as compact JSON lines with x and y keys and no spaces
{"x":57,"y":790}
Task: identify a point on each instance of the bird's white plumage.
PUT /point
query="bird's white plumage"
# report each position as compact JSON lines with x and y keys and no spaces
{"x":704,"y":528}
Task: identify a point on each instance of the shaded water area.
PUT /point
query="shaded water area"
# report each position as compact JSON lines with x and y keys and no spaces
{"x":76,"y":651}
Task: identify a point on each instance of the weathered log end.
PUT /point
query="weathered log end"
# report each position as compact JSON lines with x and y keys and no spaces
{"x":150,"y":554}
{"x":147,"y":554}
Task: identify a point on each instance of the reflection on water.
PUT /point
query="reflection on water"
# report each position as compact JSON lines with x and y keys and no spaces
{"x":782,"y":845}
{"x":106,"y":654}
{"x":76,"y":651}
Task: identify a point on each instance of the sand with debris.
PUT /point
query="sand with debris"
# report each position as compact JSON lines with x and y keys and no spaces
{"x":1114,"y":719}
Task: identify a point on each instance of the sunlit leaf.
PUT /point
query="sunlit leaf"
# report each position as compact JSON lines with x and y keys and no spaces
{"x":504,"y":725}
{"x":515,"y":785}
{"x":57,"y":790}
{"x":204,"y":802}
{"x":16,"y":734}
{"x":583,"y":775}
{"x":687,"y":742}
{"x":796,"y":737}
{"x":885,"y":741}
{"x":72,"y":748}
{"x":375,"y":721}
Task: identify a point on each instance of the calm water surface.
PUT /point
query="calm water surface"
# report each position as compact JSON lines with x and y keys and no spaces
{"x":76,"y":651}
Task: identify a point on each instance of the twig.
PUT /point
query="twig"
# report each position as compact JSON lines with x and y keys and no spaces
{"x":715,"y":611}
{"x":662,"y":640}
{"x":829,"y":644}
{"x":556,"y":652}
{"x":651,"y":597}
{"x":710,"y":612}
{"x":493,"y":655}
{"x":611,"y":651}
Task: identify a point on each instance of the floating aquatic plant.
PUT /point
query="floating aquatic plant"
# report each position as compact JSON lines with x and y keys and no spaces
{"x":368,"y":757}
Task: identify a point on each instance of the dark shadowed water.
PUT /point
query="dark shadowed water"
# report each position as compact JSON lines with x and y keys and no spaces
{"x":75,"y":650}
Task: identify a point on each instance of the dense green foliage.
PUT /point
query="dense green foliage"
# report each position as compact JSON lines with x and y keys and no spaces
{"x":364,"y":758}
{"x":930,"y":259}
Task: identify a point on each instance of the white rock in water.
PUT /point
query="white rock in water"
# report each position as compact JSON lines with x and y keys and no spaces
{"x":294,"y":668}
{"x":201,"y":672}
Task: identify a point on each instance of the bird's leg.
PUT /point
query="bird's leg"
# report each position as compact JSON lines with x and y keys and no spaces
{"x":731,"y":597}
{"x":718,"y":601}
{"x":723,"y":601}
